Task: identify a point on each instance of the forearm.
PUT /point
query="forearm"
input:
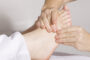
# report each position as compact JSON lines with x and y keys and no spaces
{"x":53,"y":4}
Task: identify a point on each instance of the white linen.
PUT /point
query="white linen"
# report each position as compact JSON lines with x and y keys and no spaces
{"x":65,"y":56}
{"x":13,"y":47}
{"x":70,"y":58}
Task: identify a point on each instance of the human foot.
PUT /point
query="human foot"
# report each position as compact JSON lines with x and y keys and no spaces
{"x":41,"y":44}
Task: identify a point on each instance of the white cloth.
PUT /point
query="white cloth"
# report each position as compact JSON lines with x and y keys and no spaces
{"x":66,"y":56}
{"x":13,"y":47}
{"x":70,"y":58}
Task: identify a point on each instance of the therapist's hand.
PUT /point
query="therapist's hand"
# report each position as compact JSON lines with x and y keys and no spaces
{"x":49,"y":18}
{"x":74,"y":36}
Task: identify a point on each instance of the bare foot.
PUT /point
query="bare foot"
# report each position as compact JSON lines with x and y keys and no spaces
{"x":41,"y":44}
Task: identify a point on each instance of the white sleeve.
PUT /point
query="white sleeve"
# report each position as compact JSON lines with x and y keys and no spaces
{"x":13,"y":47}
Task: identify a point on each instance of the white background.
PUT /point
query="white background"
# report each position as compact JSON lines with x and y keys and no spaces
{"x":18,"y":15}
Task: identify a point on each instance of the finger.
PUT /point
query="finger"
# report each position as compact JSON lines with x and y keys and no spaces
{"x":42,"y":24}
{"x":59,"y":19}
{"x":46,"y":23}
{"x":38,"y":23}
{"x":66,"y":14}
{"x":61,"y":12}
{"x":66,"y":25}
{"x":66,"y":17}
{"x":48,"y":15}
{"x":66,"y":35}
{"x":66,"y":8}
{"x":66,"y":21}
{"x":68,"y":40}
{"x":67,"y":11}
{"x":69,"y":29}
{"x":54,"y":16}
{"x":63,"y":25}
{"x":54,"y":29}
{"x":55,"y":26}
{"x":69,"y":44}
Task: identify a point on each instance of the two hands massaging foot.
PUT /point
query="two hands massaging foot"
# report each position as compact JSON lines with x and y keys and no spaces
{"x":73,"y":36}
{"x":41,"y":44}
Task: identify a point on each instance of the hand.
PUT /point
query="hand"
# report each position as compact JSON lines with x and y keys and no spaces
{"x":47,"y":18}
{"x":74,"y":36}
{"x":50,"y":18}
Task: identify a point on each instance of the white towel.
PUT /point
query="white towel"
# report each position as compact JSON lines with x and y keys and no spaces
{"x":13,"y":47}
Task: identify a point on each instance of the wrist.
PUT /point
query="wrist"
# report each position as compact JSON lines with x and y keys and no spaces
{"x":53,"y":4}
{"x":49,"y":7}
{"x":45,"y":8}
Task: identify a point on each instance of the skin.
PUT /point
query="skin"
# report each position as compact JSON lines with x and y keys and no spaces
{"x":51,"y":6}
{"x":74,"y":36}
{"x":40,"y":43}
{"x":55,"y":4}
{"x":47,"y":19}
{"x":45,"y":22}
